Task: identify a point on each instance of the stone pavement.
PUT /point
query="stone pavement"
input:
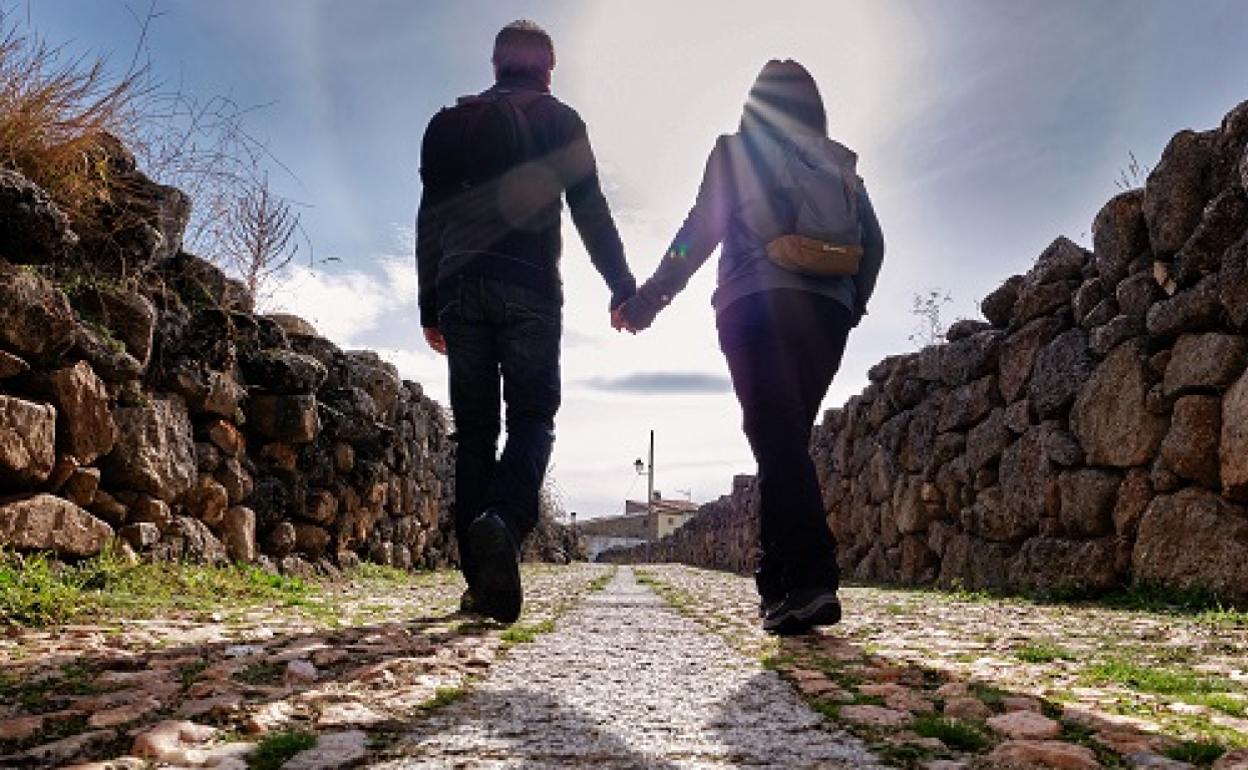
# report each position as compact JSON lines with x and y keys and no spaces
{"x":659,"y":666}
{"x":624,"y":681}
{"x":948,"y":680}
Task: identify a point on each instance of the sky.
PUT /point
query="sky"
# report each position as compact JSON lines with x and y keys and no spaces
{"x":985,"y":129}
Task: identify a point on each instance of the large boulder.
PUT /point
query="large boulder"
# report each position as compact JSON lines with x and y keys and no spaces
{"x":1060,"y":368}
{"x":1190,"y":449}
{"x":1225,"y":219}
{"x":378,"y":378}
{"x":1025,"y":473}
{"x":238,"y":532}
{"x":1065,"y":568}
{"x":47,"y":523}
{"x":27,"y":442}
{"x":1177,"y":190}
{"x":141,"y":223}
{"x":155,"y":449}
{"x":1119,"y":235}
{"x":1110,"y":417}
{"x":1018,"y":355}
{"x":1063,"y":260}
{"x":987,"y":440}
{"x":290,"y":419}
{"x":190,"y":540}
{"x":1196,"y":309}
{"x":284,"y":372}
{"x":969,"y":562}
{"x":33,"y":229}
{"x":1087,"y":501}
{"x":1205,"y":363}
{"x":998,"y":306}
{"x":1233,"y":284}
{"x":127,"y":315}
{"x":1233,"y":447}
{"x":86,"y":426}
{"x":967,"y":405}
{"x":36,"y":320}
{"x":1194,"y":540}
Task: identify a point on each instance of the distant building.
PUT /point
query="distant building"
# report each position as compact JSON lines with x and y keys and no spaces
{"x":637,"y":525}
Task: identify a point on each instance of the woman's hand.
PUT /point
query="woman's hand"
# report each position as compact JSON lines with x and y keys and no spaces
{"x":619,"y":322}
{"x":434,"y":337}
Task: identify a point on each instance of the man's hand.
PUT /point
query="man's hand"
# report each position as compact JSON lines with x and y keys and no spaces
{"x":636,"y":314}
{"x":434,"y":337}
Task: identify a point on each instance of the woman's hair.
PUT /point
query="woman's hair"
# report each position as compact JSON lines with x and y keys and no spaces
{"x":784,"y":100}
{"x":523,"y":48}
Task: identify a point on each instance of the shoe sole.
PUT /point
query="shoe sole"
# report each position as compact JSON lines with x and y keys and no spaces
{"x":499,"y":573}
{"x":826,"y":611}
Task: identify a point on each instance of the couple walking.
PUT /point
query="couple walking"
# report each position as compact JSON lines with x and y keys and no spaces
{"x":800,"y":252}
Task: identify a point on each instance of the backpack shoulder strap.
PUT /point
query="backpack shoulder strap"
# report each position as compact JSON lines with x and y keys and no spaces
{"x":517,"y":104}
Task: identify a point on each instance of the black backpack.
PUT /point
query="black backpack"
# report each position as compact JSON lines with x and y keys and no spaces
{"x":501,"y":158}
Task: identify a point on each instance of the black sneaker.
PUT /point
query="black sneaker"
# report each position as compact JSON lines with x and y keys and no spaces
{"x":802,"y":610}
{"x":497,"y":589}
{"x":766,"y":604}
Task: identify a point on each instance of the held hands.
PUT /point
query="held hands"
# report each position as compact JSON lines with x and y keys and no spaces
{"x":434,"y":337}
{"x":636,"y":314}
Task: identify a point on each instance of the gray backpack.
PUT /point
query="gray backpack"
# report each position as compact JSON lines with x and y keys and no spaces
{"x":820,"y":185}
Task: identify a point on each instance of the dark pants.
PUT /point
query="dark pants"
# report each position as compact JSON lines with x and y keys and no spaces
{"x":501,"y":340}
{"x":783,"y":348}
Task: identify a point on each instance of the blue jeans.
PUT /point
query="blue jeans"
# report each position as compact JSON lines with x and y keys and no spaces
{"x":783,"y":348}
{"x":501,"y":340}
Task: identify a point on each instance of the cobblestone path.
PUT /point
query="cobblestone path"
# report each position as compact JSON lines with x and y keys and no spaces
{"x":624,"y":681}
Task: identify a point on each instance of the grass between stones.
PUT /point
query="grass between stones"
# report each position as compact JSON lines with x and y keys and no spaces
{"x":276,"y":748}
{"x":445,"y":696}
{"x":35,"y":591}
{"x":954,"y":733}
{"x":523,"y":633}
{"x":1043,"y":652}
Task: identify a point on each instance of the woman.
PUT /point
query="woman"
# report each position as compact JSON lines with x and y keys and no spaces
{"x":781,"y":330}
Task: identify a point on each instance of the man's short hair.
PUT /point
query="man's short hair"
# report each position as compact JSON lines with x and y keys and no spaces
{"x":523,"y":48}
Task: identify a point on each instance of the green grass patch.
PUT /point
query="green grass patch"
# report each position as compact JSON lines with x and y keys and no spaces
{"x":1196,"y":752}
{"x":35,"y":591}
{"x":445,"y":696}
{"x":277,"y":748}
{"x":380,"y":573}
{"x":262,"y":673}
{"x":525,"y":633}
{"x":1043,"y":652}
{"x":1224,"y":702}
{"x":990,"y":695}
{"x":954,"y":733}
{"x":1159,"y":681}
{"x":190,"y":672}
{"x":779,"y":662}
{"x":902,"y":754}
{"x":600,"y":583}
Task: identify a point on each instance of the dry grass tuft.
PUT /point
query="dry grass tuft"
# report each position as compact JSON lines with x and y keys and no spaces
{"x":56,"y":113}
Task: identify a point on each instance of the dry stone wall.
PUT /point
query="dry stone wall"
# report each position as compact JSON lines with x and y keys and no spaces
{"x":143,"y":399}
{"x":1090,"y":433}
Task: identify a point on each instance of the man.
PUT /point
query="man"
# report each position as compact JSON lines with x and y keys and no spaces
{"x":495,"y":168}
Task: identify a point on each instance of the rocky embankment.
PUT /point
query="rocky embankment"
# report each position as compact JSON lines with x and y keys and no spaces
{"x":1091,"y":432}
{"x":143,"y":398}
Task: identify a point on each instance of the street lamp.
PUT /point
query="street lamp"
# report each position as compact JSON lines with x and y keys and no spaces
{"x":647,"y":470}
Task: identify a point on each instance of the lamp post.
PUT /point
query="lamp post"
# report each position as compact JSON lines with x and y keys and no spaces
{"x":648,"y":470}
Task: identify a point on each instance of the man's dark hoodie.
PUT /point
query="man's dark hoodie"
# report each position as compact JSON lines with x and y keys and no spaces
{"x":508,"y":228}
